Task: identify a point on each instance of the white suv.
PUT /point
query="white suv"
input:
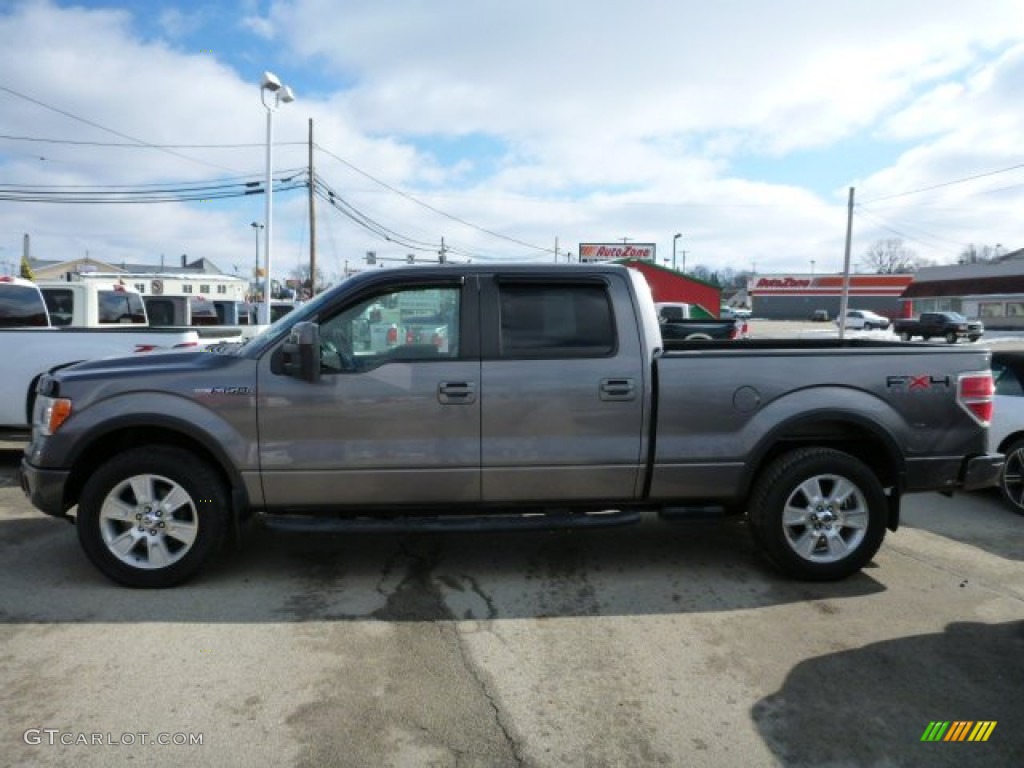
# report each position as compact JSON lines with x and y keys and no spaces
{"x":864,"y":320}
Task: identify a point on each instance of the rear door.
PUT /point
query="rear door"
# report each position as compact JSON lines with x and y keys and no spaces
{"x":563,"y":385}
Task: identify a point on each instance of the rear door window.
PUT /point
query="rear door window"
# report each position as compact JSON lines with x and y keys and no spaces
{"x":555,"y":320}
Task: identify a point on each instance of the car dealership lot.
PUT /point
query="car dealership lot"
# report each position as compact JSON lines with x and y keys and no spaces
{"x":650,"y":645}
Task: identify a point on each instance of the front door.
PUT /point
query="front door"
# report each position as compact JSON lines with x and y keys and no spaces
{"x":395,"y":417}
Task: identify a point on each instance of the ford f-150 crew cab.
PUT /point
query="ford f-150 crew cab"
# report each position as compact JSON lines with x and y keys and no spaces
{"x":513,"y":396}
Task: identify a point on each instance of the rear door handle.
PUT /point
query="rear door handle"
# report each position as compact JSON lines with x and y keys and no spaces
{"x":456,"y":392}
{"x":618,"y":389}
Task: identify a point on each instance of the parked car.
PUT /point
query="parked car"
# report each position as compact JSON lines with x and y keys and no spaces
{"x":555,"y":401}
{"x":1006,"y":433}
{"x":864,"y":320}
{"x":733,"y":313}
{"x":950,"y":326}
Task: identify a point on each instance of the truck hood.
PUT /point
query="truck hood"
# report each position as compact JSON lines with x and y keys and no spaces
{"x":146,"y":365}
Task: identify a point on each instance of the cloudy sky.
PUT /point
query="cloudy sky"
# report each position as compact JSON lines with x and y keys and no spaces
{"x":508,"y":127}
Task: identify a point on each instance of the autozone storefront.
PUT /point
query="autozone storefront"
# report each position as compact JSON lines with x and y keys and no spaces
{"x":797,"y":297}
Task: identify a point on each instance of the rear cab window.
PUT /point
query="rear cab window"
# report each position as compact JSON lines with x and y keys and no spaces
{"x":22,"y":305}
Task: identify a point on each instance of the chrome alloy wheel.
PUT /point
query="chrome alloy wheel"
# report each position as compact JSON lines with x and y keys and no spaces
{"x":148,"y":521}
{"x":825,"y":518}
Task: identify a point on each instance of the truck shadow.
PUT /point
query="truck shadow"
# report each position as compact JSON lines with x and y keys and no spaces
{"x":872,"y":705}
{"x":653,"y":568}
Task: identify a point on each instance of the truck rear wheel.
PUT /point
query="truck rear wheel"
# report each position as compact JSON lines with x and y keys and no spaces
{"x":951,"y":337}
{"x":152,"y":517}
{"x":906,"y":335}
{"x":819,"y":514}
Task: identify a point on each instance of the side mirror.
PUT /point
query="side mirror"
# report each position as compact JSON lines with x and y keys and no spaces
{"x":301,"y":353}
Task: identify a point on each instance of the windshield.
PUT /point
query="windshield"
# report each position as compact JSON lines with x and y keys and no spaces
{"x":303,"y":312}
{"x":956,"y":317}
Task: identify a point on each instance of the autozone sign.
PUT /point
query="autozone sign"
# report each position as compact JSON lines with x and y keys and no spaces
{"x":613,"y":251}
{"x":828,"y":285}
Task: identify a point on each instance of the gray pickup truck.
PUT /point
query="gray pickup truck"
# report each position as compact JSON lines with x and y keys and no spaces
{"x":467,"y":397}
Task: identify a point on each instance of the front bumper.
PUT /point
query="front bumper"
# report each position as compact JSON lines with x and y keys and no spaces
{"x":44,"y":487}
{"x":983,"y":471}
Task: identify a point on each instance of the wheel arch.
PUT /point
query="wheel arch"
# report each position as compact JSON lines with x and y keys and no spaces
{"x":864,"y":439}
{"x":91,"y":453}
{"x":1009,"y":439}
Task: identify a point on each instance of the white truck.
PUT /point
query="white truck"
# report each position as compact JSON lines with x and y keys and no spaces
{"x":111,"y":302}
{"x":89,"y":305}
{"x":30,"y":345}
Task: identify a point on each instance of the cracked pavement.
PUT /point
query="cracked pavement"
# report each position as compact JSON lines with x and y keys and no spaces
{"x":650,"y":645}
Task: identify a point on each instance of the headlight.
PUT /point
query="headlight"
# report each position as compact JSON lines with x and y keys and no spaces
{"x":50,"y":413}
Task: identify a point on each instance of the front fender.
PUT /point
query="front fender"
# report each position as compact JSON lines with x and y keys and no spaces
{"x":226,"y":430}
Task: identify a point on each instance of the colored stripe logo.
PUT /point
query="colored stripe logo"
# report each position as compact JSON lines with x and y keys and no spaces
{"x":959,"y":730}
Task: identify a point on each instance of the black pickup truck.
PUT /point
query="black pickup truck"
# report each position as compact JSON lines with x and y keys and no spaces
{"x":685,"y":322}
{"x":950,"y":326}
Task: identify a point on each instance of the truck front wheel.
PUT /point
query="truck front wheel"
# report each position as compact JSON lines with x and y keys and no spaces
{"x":819,"y":514}
{"x":152,"y":517}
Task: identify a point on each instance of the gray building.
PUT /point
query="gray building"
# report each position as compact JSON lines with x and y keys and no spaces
{"x":992,"y":291}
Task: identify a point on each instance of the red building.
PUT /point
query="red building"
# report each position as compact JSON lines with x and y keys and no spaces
{"x":669,"y":285}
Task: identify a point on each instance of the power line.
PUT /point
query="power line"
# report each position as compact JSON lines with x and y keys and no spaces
{"x":187,"y":192}
{"x":937,"y":240}
{"x":122,"y":144}
{"x":947,"y":184}
{"x":110,"y":130}
{"x":429,"y":207}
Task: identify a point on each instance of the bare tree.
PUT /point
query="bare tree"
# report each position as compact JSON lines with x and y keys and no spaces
{"x":890,"y":257}
{"x":973,"y":254}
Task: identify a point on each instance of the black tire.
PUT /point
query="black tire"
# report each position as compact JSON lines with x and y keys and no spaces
{"x":1011,"y":478}
{"x":906,"y":335}
{"x":951,"y":337}
{"x":974,"y":337}
{"x":868,"y":327}
{"x":925,"y":338}
{"x":165,"y":539}
{"x":839,"y":535}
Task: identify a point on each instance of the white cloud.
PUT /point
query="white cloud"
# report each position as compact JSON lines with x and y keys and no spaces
{"x":605,"y":120}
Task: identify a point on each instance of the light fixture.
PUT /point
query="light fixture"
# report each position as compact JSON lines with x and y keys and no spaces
{"x":282,"y":94}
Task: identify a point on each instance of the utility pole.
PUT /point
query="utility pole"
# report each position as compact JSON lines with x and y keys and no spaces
{"x":556,"y":249}
{"x":684,"y":260}
{"x":312,"y":219}
{"x":443,"y":253}
{"x":844,"y":302}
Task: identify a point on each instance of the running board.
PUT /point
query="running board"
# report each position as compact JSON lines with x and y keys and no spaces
{"x":449,"y":523}
{"x":677,"y":514}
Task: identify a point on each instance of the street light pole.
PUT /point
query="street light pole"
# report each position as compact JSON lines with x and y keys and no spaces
{"x":675,"y":239}
{"x":256,"y":227}
{"x":282,"y":93}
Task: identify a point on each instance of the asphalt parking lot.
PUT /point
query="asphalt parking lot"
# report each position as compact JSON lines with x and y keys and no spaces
{"x":652,"y":645}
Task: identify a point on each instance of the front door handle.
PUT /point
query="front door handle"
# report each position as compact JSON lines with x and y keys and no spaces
{"x":618,"y":389}
{"x":456,"y":392}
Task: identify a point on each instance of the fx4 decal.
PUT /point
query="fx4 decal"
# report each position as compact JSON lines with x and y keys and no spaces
{"x":923,"y":383}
